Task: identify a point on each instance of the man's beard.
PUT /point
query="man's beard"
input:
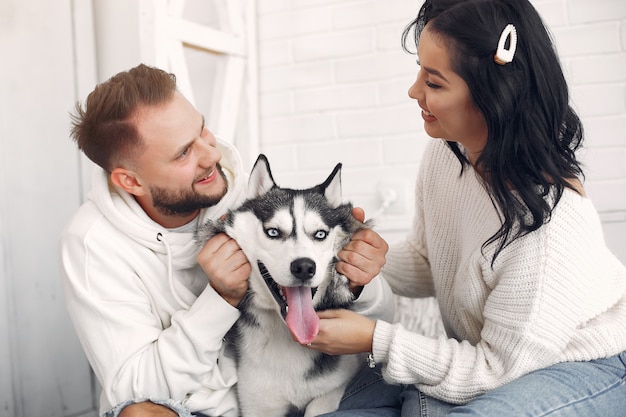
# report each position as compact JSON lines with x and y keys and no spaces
{"x":185,"y":202}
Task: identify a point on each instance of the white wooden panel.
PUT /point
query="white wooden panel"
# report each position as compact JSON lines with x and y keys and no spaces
{"x":178,"y":65}
{"x":207,"y":38}
{"x":85,"y":71}
{"x":7,"y":407}
{"x":236,"y":15}
{"x":227,"y":105}
{"x":121,"y":43}
{"x":248,"y":142}
{"x":48,"y":372}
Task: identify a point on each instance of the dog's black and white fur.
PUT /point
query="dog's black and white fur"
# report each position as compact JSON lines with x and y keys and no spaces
{"x":291,"y":238}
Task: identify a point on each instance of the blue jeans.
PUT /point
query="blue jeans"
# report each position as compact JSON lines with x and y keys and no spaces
{"x":572,"y":389}
{"x":368,"y":395}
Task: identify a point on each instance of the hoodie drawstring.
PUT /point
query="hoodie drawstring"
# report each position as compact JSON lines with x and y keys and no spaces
{"x":170,"y":274}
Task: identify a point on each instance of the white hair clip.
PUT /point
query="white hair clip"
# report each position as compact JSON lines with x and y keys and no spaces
{"x":504,"y":55}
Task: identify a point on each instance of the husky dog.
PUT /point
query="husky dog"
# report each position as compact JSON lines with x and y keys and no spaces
{"x":291,"y":238}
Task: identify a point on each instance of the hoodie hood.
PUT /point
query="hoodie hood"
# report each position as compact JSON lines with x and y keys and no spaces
{"x":181,"y":249}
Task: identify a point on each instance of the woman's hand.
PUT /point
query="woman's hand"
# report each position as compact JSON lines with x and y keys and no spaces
{"x":342,"y":332}
{"x":227,"y":267}
{"x":364,"y":256}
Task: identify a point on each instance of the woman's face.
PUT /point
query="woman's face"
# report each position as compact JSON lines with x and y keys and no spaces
{"x":447,"y":108}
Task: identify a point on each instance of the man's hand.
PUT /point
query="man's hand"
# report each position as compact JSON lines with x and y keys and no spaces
{"x":227,"y":267}
{"x":364,"y":256}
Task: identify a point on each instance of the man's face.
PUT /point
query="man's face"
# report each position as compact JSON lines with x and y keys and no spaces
{"x":179,"y":167}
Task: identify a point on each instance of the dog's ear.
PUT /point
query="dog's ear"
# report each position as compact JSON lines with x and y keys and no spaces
{"x":332,"y":187}
{"x":261,"y":180}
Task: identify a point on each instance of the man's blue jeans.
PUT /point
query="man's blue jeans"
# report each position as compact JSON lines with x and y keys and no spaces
{"x":572,"y":389}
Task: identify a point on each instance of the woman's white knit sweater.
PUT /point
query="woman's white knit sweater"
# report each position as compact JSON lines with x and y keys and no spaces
{"x":554,"y":295}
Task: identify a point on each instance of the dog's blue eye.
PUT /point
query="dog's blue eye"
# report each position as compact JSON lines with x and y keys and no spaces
{"x":320,"y":234}
{"x":272,"y":232}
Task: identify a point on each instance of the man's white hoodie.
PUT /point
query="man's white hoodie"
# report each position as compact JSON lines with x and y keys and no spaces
{"x":148,"y":322}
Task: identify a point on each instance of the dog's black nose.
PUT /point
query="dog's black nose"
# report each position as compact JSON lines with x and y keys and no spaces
{"x":303,"y":268}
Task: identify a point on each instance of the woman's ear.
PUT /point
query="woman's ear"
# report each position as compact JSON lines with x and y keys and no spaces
{"x":127,"y":181}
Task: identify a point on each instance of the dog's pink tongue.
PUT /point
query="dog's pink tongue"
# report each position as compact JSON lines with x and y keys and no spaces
{"x":301,"y":317}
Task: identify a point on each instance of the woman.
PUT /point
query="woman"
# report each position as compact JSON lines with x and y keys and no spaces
{"x":533,"y":302}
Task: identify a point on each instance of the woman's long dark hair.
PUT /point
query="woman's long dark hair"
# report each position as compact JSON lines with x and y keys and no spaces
{"x":533,"y":132}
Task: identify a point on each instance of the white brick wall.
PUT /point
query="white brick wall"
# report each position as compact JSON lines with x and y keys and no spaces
{"x":334,"y":81}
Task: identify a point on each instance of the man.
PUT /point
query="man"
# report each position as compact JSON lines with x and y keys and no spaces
{"x":135,"y":280}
